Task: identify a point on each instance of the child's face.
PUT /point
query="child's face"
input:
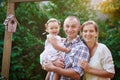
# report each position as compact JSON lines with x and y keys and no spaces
{"x":53,"y":28}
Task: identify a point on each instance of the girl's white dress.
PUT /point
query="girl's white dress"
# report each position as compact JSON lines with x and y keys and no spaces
{"x":102,"y":59}
{"x":50,"y":53}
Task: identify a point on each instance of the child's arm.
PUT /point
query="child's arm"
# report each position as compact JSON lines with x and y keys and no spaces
{"x":53,"y":41}
{"x":47,"y":76}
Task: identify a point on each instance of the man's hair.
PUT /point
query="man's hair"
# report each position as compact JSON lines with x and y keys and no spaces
{"x":72,"y":18}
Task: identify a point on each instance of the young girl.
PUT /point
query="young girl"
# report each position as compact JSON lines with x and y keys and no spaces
{"x":54,"y":46}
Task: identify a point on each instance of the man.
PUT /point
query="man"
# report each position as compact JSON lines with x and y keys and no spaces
{"x":79,"y":51}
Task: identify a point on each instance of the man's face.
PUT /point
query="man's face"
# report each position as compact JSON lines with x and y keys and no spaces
{"x":71,"y":28}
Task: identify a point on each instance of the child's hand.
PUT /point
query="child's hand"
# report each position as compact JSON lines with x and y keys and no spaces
{"x":67,"y":50}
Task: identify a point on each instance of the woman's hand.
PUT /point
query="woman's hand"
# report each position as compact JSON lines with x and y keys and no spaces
{"x":84,"y":65}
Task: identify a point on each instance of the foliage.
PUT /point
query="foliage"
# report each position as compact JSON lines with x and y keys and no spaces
{"x":109,"y":35}
{"x":27,"y":42}
{"x":111,"y":31}
{"x":28,"y":49}
{"x":111,"y":7}
{"x":25,"y":51}
{"x":3,"y":12}
{"x":76,"y":7}
{"x":2,"y":28}
{"x":29,"y":15}
{"x":1,"y":42}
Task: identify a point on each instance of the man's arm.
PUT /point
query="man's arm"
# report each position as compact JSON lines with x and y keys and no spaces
{"x":65,"y":72}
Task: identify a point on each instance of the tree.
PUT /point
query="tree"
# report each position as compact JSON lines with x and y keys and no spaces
{"x":112,"y":8}
{"x":61,"y":9}
{"x":111,"y":30}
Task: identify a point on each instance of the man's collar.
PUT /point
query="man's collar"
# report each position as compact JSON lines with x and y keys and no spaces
{"x":77,"y":39}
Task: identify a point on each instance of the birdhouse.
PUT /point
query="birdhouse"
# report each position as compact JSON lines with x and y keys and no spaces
{"x":10,"y":23}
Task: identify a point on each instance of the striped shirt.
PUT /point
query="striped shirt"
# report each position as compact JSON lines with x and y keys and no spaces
{"x":78,"y":51}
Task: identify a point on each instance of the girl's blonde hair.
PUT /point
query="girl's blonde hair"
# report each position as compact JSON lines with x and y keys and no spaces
{"x":52,"y":20}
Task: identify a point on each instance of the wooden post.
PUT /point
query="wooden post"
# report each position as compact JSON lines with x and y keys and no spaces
{"x":7,"y":46}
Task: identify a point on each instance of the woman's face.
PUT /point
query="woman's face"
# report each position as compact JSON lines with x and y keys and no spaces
{"x":89,"y":33}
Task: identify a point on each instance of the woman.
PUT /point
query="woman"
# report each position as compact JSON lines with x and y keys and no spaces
{"x":100,"y":66}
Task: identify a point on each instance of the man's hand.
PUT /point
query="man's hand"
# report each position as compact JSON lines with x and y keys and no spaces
{"x":48,"y":65}
{"x":59,"y":62}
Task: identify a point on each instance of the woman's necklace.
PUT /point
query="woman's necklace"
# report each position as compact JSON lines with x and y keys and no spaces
{"x":92,"y":50}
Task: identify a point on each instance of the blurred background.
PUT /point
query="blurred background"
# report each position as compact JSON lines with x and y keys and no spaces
{"x":28,"y":41}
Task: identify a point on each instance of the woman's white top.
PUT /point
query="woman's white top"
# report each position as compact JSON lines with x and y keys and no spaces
{"x":50,"y":53}
{"x":102,"y":59}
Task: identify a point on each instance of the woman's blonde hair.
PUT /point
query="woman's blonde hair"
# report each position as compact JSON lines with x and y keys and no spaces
{"x":90,"y":22}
